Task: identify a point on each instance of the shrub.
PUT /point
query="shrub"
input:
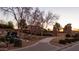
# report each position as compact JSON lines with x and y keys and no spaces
{"x":68,"y":35}
{"x":68,"y":40}
{"x":73,"y":40}
{"x":2,"y":39}
{"x":77,"y":39}
{"x":10,"y":25}
{"x":8,"y":39}
{"x":5,"y":26}
{"x":11,"y":37}
{"x":18,"y":43}
{"x":62,"y":41}
{"x":76,"y":36}
{"x":11,"y":40}
{"x":2,"y":45}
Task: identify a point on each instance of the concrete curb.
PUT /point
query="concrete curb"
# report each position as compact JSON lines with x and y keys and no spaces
{"x":68,"y":47}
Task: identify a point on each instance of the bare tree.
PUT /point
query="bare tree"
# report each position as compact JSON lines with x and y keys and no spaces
{"x":18,"y":13}
{"x":42,"y":19}
{"x":50,"y":18}
{"x":23,"y":14}
{"x":37,"y":18}
{"x":22,"y":24}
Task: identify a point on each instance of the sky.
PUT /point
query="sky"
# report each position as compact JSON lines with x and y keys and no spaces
{"x":67,"y":15}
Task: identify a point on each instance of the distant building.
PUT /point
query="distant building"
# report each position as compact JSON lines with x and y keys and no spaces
{"x":35,"y":29}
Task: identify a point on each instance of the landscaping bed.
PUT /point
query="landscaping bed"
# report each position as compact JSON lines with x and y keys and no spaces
{"x":26,"y":40}
{"x":65,"y":41}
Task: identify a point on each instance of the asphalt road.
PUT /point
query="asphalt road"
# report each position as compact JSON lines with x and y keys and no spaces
{"x":74,"y":48}
{"x":39,"y":47}
{"x":42,"y":45}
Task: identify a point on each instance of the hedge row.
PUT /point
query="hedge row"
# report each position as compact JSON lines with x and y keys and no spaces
{"x":68,"y":41}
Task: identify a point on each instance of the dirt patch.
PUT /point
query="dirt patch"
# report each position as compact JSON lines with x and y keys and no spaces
{"x":55,"y":42}
{"x":32,"y":39}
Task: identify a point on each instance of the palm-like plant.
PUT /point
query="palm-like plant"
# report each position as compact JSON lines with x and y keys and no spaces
{"x":58,"y":26}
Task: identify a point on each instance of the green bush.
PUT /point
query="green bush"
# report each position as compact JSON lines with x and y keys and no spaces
{"x":11,"y":40}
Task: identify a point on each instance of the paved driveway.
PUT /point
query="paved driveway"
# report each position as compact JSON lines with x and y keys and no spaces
{"x":39,"y":47}
{"x":42,"y":45}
